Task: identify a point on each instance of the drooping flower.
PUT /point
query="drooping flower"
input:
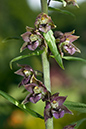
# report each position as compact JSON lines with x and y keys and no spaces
{"x":27,"y":72}
{"x":74,"y":2}
{"x":70,"y":126}
{"x":55,"y":107}
{"x":37,"y":91}
{"x":64,"y":42}
{"x":32,"y":38}
{"x":44,"y":23}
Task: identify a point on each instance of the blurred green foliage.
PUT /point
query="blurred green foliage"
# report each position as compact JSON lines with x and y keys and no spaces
{"x":14,"y":17}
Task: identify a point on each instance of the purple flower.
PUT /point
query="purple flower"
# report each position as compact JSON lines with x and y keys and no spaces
{"x":32,"y":38}
{"x":74,"y":2}
{"x":44,"y":23}
{"x":69,"y":126}
{"x":27,"y":72}
{"x":55,"y":107}
{"x":64,"y":42}
{"x":37,"y":91}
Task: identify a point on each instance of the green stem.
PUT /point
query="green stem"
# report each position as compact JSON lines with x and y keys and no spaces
{"x":46,"y":66}
{"x":44,"y":6}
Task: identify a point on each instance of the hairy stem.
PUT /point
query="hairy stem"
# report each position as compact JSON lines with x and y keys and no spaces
{"x":46,"y":66}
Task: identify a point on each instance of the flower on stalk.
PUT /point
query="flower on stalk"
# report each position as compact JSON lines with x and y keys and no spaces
{"x":27,"y":72}
{"x":37,"y":91}
{"x":65,"y":42}
{"x":69,"y":126}
{"x":44,"y":23}
{"x":74,"y":2}
{"x":32,"y":38}
{"x":55,"y":107}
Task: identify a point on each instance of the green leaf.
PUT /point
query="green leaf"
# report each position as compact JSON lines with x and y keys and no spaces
{"x":73,"y":58}
{"x":78,"y":123}
{"x":61,"y":11}
{"x":21,"y":106}
{"x":50,"y":40}
{"x":80,"y":107}
{"x":25,"y":56}
{"x":11,"y":38}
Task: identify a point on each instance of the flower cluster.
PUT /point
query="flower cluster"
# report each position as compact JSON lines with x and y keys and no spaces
{"x":33,"y":37}
{"x":64,"y":42}
{"x":37,"y":90}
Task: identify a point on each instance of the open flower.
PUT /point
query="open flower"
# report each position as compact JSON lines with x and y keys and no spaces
{"x":32,"y":38}
{"x":55,"y":107}
{"x":69,"y":126}
{"x":44,"y":23}
{"x":37,"y":91}
{"x":64,"y":42}
{"x":74,"y":2}
{"x":27,"y":72}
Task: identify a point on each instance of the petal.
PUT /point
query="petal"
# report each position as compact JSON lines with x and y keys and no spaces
{"x":40,"y":84}
{"x":33,"y":46}
{"x":58,"y":114}
{"x":24,"y":46}
{"x":32,"y":98}
{"x":27,"y":99}
{"x":19,"y":72}
{"x":59,"y":100}
{"x":70,"y":48}
{"x":30,"y":87}
{"x":25,"y":36}
{"x":66,"y":110}
{"x":25,"y":67}
{"x":44,"y":28}
{"x":29,"y":29}
{"x":72,"y":38}
{"x":60,"y":111}
{"x":24,"y":81}
{"x":54,"y":96}
{"x":67,"y":34}
{"x":36,"y":98}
